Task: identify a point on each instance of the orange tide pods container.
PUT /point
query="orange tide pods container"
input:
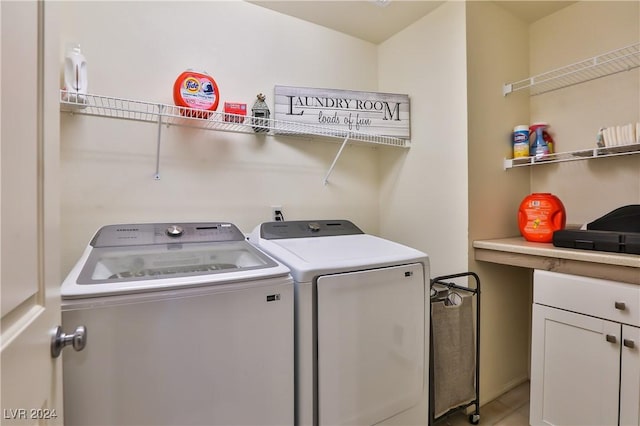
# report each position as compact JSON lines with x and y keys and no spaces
{"x":197,"y":91}
{"x":539,"y":215}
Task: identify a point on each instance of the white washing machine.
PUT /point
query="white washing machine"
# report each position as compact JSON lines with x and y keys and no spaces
{"x":361,"y":323}
{"x":187,"y":324}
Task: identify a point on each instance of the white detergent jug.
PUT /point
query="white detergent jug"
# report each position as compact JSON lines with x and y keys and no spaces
{"x":75,"y":76}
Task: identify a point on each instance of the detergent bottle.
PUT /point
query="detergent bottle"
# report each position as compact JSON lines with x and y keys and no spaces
{"x":197,"y":93}
{"x":545,"y":134}
{"x":540,"y":147}
{"x":539,"y":216}
{"x":75,"y":75}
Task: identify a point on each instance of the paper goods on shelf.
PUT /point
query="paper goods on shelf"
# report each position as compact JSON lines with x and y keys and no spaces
{"x":620,"y":135}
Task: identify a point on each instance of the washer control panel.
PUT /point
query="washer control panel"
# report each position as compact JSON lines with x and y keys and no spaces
{"x":165,"y":233}
{"x":307,"y":228}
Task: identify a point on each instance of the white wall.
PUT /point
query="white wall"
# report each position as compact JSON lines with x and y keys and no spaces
{"x":136,"y":50}
{"x":588,"y":189}
{"x":424,"y":194}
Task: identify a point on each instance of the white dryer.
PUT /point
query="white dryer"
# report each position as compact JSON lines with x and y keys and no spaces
{"x":187,"y":324}
{"x":361,"y":323}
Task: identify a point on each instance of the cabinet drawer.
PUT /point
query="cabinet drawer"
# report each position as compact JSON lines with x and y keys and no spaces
{"x":610,"y":300}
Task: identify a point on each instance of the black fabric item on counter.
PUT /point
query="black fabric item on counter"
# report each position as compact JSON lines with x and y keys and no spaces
{"x":622,"y":219}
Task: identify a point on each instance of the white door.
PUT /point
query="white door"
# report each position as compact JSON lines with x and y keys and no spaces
{"x":29,"y":263}
{"x":371,"y":344}
{"x":575,"y":369}
{"x":630,"y":377}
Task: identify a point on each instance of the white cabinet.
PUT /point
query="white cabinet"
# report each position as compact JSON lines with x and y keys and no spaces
{"x":574,"y":370}
{"x":630,"y":377}
{"x":585,"y":361}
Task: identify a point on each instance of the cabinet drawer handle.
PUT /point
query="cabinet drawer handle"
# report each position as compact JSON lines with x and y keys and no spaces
{"x":620,"y":306}
{"x":629,"y":343}
{"x":611,"y":338}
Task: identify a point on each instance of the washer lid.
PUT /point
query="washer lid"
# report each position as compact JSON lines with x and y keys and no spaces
{"x":138,"y":258}
{"x":158,"y":261}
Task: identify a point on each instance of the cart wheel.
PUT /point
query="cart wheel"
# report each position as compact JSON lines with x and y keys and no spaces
{"x":474,"y":419}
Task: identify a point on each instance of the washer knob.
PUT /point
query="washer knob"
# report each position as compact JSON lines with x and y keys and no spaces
{"x":314,"y":226}
{"x":174,"y":231}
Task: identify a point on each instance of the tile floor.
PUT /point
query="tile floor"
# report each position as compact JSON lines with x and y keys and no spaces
{"x":510,"y":409}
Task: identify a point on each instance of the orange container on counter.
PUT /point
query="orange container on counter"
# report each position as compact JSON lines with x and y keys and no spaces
{"x":539,"y":215}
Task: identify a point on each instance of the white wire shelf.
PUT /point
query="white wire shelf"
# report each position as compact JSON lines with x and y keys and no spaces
{"x":584,"y":154}
{"x":171,"y":115}
{"x":613,"y":62}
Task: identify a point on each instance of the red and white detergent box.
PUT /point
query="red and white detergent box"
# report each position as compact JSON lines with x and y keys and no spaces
{"x":237,"y":109}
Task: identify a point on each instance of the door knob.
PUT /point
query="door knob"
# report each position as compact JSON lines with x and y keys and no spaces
{"x":621,"y":306}
{"x":611,"y":338}
{"x":629,"y":343}
{"x":59,"y":340}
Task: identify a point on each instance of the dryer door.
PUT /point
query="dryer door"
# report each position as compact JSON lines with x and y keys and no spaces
{"x":371,"y":344}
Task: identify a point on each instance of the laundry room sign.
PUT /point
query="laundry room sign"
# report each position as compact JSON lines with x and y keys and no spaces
{"x":384,"y":114}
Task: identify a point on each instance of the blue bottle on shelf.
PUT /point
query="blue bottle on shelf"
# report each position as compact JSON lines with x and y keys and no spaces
{"x":540,"y":147}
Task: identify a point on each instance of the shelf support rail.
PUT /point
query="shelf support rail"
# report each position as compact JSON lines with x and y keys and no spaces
{"x":160,"y":112}
{"x":335,"y":160}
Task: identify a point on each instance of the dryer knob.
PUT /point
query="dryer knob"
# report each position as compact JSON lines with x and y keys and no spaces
{"x":174,"y":231}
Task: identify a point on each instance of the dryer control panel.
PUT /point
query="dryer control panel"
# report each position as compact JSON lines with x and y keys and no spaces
{"x":307,"y":228}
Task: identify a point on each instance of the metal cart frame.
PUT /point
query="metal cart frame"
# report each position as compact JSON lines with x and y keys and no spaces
{"x":474,"y":418}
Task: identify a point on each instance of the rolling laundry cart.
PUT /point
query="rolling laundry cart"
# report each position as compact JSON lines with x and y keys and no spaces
{"x":454,"y":366}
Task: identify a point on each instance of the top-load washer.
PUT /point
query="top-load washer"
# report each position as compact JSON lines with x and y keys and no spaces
{"x":361,"y":323}
{"x":187,"y":324}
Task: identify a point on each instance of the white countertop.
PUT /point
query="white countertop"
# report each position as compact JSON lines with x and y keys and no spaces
{"x":516,"y":251}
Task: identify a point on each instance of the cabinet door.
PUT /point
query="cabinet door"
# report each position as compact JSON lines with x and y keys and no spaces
{"x":575,"y":370}
{"x":630,"y":377}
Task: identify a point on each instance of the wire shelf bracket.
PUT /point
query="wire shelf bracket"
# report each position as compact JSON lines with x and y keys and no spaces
{"x":335,"y":160}
{"x":613,"y":62}
{"x":171,"y":115}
